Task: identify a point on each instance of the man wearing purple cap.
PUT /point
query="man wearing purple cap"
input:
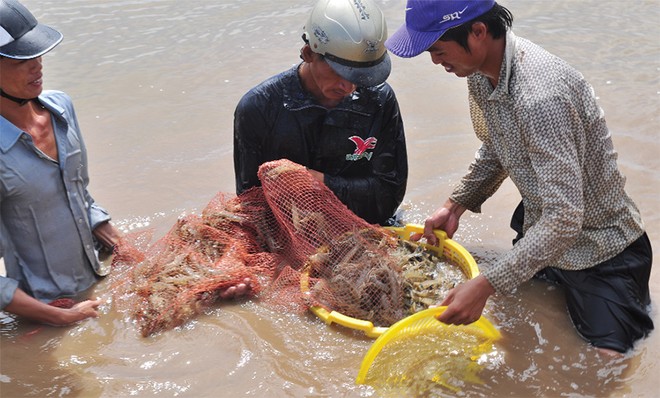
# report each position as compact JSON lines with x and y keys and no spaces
{"x":540,"y":125}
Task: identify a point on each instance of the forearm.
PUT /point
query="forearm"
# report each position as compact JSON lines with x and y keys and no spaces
{"x":246,"y":166}
{"x":107,"y":234}
{"x":97,"y":214}
{"x":377,"y":193}
{"x":455,"y":208}
{"x":26,"y":306}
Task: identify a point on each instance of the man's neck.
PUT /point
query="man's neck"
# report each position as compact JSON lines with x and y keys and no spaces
{"x":494,"y":58}
{"x":22,"y":116}
{"x":19,"y":101}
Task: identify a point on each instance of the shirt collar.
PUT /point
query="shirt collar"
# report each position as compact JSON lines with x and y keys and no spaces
{"x":297,"y":98}
{"x":507,"y":65}
{"x":9,"y":134}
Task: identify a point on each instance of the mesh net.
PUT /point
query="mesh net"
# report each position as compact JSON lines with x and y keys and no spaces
{"x":291,"y":226}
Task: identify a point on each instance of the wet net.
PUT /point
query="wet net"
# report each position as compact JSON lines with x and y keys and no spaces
{"x":289,"y":228}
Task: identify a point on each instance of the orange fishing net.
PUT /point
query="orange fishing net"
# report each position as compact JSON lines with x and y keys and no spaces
{"x":271,"y":234}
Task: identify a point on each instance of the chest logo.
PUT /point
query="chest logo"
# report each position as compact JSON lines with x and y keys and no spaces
{"x":361,"y":148}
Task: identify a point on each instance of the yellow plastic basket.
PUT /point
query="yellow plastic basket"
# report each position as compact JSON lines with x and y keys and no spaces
{"x":446,"y":248}
{"x":426,"y":322}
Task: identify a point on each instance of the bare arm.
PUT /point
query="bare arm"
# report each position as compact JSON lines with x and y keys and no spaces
{"x":26,"y":306}
{"x":107,"y":234}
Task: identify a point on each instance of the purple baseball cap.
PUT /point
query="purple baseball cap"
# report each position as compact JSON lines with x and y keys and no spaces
{"x":427,"y":20}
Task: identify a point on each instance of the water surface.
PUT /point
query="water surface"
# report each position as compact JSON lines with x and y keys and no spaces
{"x":155,"y":83}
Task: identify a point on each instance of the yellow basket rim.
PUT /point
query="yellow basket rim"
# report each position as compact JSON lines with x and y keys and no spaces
{"x":469,"y":267}
{"x":489,"y":331}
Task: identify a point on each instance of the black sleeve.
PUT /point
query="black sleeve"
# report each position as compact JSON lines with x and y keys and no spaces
{"x":249,"y":128}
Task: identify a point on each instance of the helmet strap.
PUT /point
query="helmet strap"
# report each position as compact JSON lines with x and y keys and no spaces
{"x":19,"y":101}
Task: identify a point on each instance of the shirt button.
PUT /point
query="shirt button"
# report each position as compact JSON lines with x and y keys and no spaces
{"x":80,"y":221}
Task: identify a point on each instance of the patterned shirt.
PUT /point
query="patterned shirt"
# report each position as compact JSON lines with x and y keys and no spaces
{"x":541,"y":126}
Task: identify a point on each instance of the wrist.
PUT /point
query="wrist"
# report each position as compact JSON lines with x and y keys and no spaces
{"x":454,"y":207}
{"x":59,"y":317}
{"x":484,"y":284}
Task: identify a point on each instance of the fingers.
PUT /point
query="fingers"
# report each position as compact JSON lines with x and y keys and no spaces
{"x":458,"y":312}
{"x":89,"y":306}
{"x":238,"y":290}
{"x":85,"y":309}
{"x":416,"y":237}
{"x":429,"y":234}
{"x":228,"y":293}
{"x":241,"y":289}
{"x":451,"y":317}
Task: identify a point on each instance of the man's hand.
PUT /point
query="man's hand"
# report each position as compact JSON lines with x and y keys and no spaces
{"x":27,"y":306}
{"x":237,"y":291}
{"x":317,"y":175}
{"x":466,"y":302}
{"x":80,"y":311}
{"x":445,"y":218}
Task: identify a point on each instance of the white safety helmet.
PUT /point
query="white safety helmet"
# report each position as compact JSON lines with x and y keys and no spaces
{"x":350,"y":34}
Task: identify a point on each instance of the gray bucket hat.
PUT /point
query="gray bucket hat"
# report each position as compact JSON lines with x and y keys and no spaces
{"x":21,"y":36}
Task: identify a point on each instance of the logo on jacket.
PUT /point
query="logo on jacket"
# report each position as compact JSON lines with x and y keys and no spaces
{"x":361,"y":147}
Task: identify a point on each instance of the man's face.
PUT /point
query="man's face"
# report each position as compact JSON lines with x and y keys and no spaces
{"x":454,"y":58}
{"x":21,"y":78}
{"x":330,"y":84}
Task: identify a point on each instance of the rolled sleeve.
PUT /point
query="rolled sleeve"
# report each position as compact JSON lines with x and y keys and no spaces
{"x":7,"y":289}
{"x":97,"y":215}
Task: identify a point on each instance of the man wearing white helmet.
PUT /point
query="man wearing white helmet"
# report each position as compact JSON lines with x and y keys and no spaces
{"x":50,"y":227}
{"x":332,"y":113}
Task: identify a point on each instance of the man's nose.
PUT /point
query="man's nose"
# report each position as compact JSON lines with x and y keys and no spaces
{"x":346,"y":86}
{"x":36,"y":63}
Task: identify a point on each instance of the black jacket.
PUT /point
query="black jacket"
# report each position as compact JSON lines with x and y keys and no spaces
{"x":359,"y":145}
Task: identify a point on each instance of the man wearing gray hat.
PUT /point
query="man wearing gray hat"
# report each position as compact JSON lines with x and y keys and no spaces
{"x":332,"y":113}
{"x":51,"y":230}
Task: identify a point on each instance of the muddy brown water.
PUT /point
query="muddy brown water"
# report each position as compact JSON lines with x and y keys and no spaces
{"x":155,"y":83}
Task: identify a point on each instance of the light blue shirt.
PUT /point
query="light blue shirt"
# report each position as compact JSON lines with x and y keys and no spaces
{"x":46,"y":214}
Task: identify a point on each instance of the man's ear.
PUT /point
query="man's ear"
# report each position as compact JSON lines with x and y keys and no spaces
{"x":306,"y":53}
{"x":479,"y":29}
